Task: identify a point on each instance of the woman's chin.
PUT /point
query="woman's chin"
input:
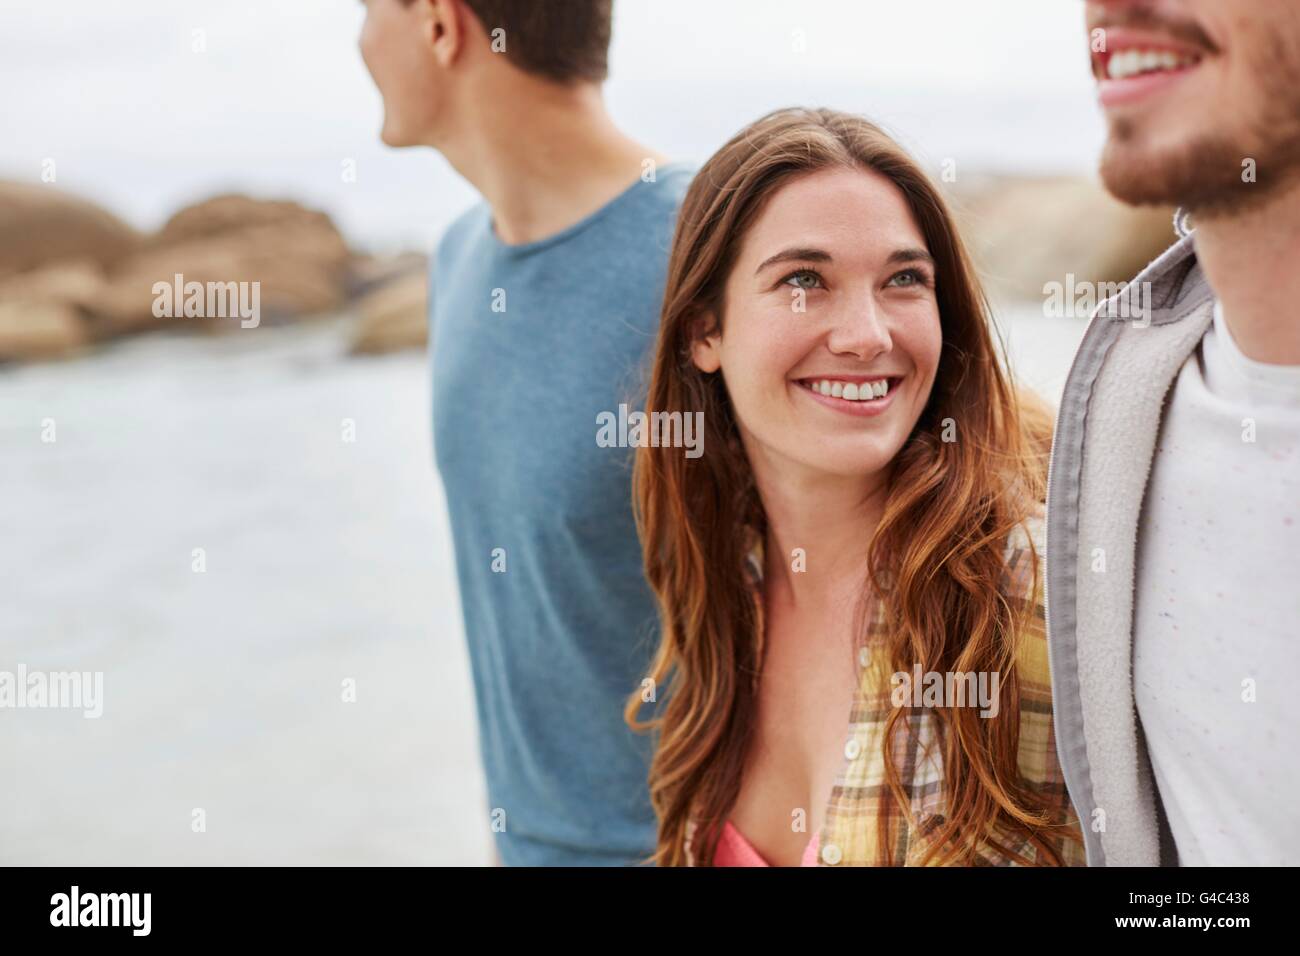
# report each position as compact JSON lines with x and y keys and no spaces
{"x":849,"y":463}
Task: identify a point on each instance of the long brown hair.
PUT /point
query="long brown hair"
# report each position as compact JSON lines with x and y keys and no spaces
{"x":938,"y":552}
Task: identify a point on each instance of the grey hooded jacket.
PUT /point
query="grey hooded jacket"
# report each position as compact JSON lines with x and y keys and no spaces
{"x":1106,"y":434}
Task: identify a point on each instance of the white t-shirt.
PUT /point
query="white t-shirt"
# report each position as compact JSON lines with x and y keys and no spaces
{"x":1216,"y":651}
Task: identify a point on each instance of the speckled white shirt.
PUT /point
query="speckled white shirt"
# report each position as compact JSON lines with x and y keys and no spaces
{"x":1216,"y":648}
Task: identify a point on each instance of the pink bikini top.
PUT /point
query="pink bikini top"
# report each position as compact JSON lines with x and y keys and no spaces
{"x":734,"y":850}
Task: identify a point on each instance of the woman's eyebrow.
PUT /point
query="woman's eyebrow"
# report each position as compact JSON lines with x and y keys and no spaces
{"x":798,"y":253}
{"x":909,"y":255}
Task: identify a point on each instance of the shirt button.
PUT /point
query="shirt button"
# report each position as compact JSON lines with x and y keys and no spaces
{"x":864,"y":656}
{"x":852,"y":749}
{"x":831,"y":854}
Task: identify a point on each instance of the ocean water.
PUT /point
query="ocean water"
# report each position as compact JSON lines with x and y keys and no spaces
{"x":325,"y":561}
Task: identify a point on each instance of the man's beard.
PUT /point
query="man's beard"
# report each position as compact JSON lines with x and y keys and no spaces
{"x":1208,"y":176}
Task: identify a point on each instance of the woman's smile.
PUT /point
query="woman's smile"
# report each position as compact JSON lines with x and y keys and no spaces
{"x":861,"y":395}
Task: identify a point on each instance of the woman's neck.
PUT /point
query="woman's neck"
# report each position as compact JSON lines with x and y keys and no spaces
{"x":819,"y":534}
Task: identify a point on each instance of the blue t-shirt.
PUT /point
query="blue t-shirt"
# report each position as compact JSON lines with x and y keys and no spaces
{"x":530,"y":344}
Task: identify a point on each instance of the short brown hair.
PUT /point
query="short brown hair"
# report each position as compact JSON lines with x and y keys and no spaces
{"x":562,"y":40}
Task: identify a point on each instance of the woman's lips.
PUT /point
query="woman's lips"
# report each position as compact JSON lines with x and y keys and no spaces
{"x":860,"y":409}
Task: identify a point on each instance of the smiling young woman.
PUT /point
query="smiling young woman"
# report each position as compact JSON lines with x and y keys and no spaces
{"x":867,"y":505}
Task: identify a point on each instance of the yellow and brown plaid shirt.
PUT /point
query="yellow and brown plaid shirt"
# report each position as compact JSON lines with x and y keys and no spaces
{"x":861,"y":796}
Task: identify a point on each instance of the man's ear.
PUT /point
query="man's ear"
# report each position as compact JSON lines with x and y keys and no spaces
{"x":447,"y":25}
{"x":706,"y":342}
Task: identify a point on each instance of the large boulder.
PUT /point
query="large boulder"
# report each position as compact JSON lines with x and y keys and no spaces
{"x":296,"y":256}
{"x":1027,"y":232}
{"x":75,"y":282}
{"x":41,"y":224}
{"x":232,"y":213}
{"x":42,"y":312}
{"x":368,"y":273}
{"x":39,"y":330}
{"x":394,"y":317}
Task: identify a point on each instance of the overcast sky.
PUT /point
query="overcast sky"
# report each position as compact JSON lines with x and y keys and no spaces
{"x":135,"y":118}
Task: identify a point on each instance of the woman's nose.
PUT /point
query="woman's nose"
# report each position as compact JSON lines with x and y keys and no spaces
{"x":861,"y":330}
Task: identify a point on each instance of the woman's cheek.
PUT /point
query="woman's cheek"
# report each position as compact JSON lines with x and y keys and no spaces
{"x":928,"y":343}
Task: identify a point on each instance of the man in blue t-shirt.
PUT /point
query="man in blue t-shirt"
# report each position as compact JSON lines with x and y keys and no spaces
{"x":545,"y":304}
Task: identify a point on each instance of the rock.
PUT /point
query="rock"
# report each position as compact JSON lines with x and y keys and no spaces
{"x":1026,"y":232}
{"x":41,"y":224}
{"x":296,"y":257}
{"x":236,"y":213}
{"x":394,"y":317}
{"x":78,"y":282}
{"x":77,"y":274}
{"x":127,"y":303}
{"x":39,"y":330}
{"x":42,"y":312}
{"x":368,"y":273}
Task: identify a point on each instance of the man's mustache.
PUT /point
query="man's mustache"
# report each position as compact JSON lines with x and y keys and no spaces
{"x":1145,"y":17}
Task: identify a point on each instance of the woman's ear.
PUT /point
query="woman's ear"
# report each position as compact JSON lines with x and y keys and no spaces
{"x":706,"y":342}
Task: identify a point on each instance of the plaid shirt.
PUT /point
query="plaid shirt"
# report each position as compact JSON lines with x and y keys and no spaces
{"x":850,"y":835}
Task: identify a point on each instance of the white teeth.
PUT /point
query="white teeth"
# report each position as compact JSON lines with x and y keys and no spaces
{"x":850,"y":391}
{"x":1128,"y":63}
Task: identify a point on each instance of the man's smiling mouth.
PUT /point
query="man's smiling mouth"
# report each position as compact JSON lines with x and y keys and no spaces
{"x":1140,"y":61}
{"x":1136,"y":61}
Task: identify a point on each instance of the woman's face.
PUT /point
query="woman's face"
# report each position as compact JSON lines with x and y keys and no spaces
{"x":830,"y":337}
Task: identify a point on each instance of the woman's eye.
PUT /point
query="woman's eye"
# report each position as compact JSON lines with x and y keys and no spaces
{"x":909,"y":278}
{"x":803,"y":279}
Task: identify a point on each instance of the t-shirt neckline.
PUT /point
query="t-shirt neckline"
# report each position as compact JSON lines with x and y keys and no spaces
{"x":1284,"y":378}
{"x":568,"y":232}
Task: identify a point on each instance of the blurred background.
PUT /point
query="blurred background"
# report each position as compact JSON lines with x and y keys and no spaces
{"x":292,"y":462}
